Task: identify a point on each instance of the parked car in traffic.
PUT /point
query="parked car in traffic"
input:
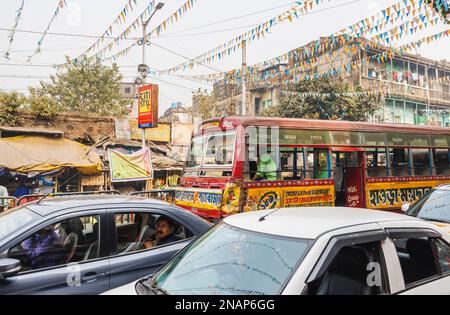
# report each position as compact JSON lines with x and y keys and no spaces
{"x":308,"y":251}
{"x":434,"y":207}
{"x":89,"y":245}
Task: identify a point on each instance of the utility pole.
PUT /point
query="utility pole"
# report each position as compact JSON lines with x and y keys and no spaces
{"x":144,"y":68}
{"x":244,"y":77}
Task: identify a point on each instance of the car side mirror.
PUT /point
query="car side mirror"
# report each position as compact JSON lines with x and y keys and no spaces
{"x":406,"y":207}
{"x":9,"y":267}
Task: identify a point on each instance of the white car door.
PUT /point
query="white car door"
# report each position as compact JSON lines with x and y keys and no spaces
{"x":420,"y":255}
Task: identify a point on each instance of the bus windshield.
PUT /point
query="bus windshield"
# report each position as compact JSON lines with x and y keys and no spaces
{"x":215,"y":150}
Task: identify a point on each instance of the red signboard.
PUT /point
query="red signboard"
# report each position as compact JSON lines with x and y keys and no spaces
{"x":148,"y":106}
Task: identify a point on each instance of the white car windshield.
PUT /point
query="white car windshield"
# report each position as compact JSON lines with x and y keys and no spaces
{"x":231,"y":261}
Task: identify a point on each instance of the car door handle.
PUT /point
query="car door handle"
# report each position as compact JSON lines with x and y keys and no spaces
{"x":92,"y":276}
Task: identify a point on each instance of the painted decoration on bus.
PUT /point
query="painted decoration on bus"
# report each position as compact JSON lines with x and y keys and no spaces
{"x":315,"y":196}
{"x":395,"y":194}
{"x":202,"y":199}
{"x":231,"y":198}
{"x":289,"y":197}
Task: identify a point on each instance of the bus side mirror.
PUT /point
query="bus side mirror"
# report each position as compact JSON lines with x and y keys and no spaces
{"x":9,"y":267}
{"x":406,"y":207}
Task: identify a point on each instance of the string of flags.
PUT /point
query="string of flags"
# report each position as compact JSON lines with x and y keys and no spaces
{"x":61,"y":5}
{"x":286,"y":74}
{"x":121,"y":19}
{"x":408,"y":28}
{"x":298,"y":74}
{"x":327,"y":49}
{"x":13,"y":30}
{"x":322,"y":48}
{"x":226,"y":49}
{"x":364,"y":27}
{"x":163,"y":27}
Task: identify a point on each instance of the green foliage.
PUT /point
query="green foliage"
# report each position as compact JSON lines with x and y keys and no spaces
{"x":10,"y":106}
{"x":325,"y":99}
{"x":43,"y":107}
{"x":205,"y":104}
{"x":87,"y":87}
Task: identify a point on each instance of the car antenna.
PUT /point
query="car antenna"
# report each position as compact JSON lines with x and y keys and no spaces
{"x":44,"y":197}
{"x":263,"y":218}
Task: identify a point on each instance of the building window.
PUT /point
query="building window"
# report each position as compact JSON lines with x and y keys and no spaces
{"x":128,"y":90}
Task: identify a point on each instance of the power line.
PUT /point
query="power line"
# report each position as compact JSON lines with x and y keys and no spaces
{"x":187,"y":58}
{"x":232,"y":19}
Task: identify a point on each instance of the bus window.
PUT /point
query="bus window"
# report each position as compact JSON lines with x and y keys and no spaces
{"x":292,"y":164}
{"x":441,"y":161}
{"x":195,"y":154}
{"x":318,"y":162}
{"x":376,"y":163}
{"x":421,"y":160}
{"x":400,"y":162}
{"x":220,"y":150}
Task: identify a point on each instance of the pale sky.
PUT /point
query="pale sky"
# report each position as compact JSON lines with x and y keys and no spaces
{"x":188,"y":37}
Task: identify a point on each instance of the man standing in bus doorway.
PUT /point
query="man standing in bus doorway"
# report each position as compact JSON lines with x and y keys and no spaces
{"x":267,"y":169}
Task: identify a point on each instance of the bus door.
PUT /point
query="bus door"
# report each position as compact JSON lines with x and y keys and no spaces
{"x":353,"y":179}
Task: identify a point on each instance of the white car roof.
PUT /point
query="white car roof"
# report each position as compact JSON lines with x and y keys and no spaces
{"x":309,"y":223}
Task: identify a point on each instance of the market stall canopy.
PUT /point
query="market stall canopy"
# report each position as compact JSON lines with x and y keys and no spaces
{"x":26,"y":154}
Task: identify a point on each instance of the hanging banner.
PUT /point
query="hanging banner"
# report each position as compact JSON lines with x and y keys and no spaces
{"x":130,"y":167}
{"x":148,"y":106}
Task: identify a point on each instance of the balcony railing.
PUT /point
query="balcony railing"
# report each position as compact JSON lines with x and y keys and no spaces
{"x":406,"y":90}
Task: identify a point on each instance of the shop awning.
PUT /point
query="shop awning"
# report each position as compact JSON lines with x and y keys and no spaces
{"x":26,"y":154}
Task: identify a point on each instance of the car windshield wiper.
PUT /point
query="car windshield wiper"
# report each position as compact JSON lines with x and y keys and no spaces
{"x":149,"y":288}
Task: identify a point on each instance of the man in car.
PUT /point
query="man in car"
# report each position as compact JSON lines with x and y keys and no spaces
{"x":165,"y":233}
{"x":44,"y":249}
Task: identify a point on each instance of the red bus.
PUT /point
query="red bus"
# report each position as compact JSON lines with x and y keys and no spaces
{"x":239,"y":164}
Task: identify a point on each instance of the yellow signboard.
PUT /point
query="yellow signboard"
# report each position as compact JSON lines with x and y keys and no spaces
{"x":395,"y":194}
{"x":289,"y":197}
{"x":159,"y":134}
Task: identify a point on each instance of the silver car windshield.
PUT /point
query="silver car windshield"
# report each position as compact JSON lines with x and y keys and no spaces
{"x":434,"y":207}
{"x":231,"y":261}
{"x":14,"y":220}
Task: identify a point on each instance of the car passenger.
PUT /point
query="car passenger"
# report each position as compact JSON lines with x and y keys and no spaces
{"x":165,"y":234}
{"x":44,"y":249}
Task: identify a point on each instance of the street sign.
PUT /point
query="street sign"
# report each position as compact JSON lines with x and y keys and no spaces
{"x":148,"y":106}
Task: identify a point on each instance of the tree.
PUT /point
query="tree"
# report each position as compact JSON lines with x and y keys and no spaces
{"x":205,"y":104}
{"x":43,"y":107}
{"x":86,"y":87}
{"x":325,"y":99}
{"x":10,"y":106}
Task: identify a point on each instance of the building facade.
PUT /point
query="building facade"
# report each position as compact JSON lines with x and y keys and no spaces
{"x":415,"y":90}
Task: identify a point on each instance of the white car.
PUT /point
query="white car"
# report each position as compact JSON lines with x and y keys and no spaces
{"x":308,"y":251}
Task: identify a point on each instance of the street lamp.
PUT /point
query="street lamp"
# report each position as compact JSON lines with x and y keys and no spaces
{"x":143,"y":68}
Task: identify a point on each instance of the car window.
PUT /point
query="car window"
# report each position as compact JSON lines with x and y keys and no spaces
{"x":145,"y":231}
{"x":443,"y":255}
{"x":72,"y":240}
{"x":13,"y":220}
{"x":355,"y":270}
{"x":417,"y":259}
